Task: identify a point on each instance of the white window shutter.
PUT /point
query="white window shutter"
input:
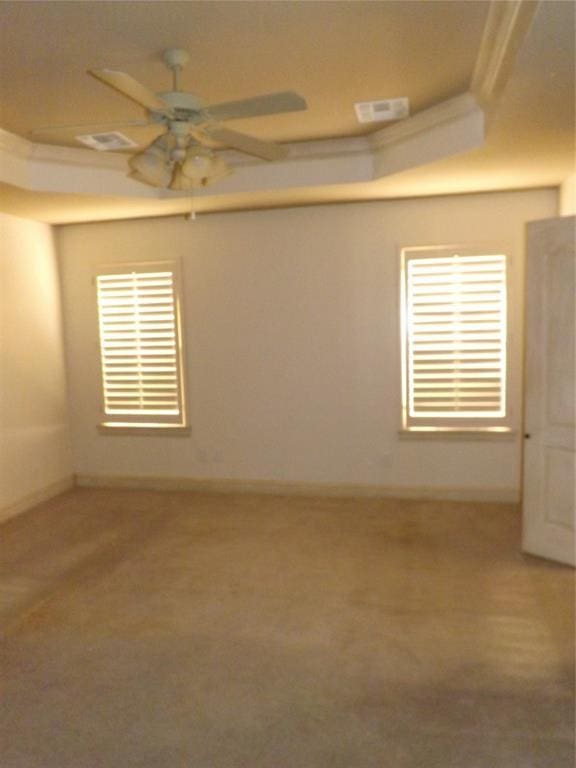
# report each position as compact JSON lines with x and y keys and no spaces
{"x":455,"y":340}
{"x":140,"y":348}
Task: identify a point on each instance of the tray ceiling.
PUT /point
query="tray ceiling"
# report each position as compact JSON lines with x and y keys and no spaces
{"x":333,"y":53}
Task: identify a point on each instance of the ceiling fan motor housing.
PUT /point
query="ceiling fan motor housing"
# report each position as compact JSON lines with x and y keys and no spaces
{"x":185,"y":107}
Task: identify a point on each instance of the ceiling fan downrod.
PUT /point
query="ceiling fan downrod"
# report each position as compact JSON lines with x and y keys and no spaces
{"x":176,"y":59}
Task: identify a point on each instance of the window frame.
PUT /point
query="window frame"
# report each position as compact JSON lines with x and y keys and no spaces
{"x":124,"y":424}
{"x":432,"y":426}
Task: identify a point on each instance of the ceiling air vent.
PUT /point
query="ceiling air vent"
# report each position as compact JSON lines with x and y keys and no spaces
{"x":381,"y":111}
{"x":105,"y":141}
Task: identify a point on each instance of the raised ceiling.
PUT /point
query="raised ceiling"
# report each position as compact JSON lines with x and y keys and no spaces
{"x":333,"y":53}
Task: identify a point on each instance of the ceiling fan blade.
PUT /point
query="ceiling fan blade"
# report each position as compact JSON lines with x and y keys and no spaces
{"x":270,"y":104}
{"x":91,"y":127}
{"x":249,"y":144}
{"x":129,"y":87}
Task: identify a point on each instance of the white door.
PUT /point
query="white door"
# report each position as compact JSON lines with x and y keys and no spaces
{"x":549,"y":520}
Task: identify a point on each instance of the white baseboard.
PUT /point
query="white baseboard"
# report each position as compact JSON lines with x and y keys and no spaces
{"x":33,"y":499}
{"x":439,"y":493}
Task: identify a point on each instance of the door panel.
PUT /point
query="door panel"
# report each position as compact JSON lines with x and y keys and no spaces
{"x":559,"y":496}
{"x":550,"y":393}
{"x":560,"y":301}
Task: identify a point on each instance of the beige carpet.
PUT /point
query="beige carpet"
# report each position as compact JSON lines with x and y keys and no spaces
{"x":172,"y":630}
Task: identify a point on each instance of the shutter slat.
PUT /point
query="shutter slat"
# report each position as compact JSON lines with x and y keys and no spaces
{"x":480,"y":374}
{"x":142,"y":411}
{"x":447,"y":386}
{"x":464,"y":356}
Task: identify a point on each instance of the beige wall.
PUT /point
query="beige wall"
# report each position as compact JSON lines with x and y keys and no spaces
{"x":35,"y":458}
{"x":568,"y":196}
{"x":291,"y":326}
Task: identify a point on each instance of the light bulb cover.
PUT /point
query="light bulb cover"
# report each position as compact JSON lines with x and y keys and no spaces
{"x":179,"y":182}
{"x":142,"y":179}
{"x":203,"y":167}
{"x":152,"y":166}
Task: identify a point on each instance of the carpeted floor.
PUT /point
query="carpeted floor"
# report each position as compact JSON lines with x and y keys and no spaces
{"x":178,"y":630}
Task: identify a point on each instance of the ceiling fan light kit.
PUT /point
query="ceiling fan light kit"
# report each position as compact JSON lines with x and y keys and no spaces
{"x":175,"y":162}
{"x":182,"y":157}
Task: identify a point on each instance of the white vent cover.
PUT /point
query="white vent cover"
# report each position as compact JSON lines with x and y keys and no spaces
{"x":107,"y":141}
{"x":382,"y":111}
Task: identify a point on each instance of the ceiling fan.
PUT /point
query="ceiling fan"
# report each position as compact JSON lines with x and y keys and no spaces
{"x":182,"y":157}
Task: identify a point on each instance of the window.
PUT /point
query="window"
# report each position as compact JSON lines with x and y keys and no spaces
{"x":454,"y":335}
{"x":140,"y":350}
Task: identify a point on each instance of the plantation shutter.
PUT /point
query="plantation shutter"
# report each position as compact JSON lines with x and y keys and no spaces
{"x":455,"y":317}
{"x":140,"y":348}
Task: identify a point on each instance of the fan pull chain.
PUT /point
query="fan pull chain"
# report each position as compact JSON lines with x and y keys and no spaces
{"x":191,"y":215}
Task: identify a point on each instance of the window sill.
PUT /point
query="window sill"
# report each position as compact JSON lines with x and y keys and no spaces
{"x":457,"y":434}
{"x":161,"y":430}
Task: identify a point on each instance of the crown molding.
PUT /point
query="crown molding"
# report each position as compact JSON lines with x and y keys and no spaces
{"x":47,"y":167}
{"x":327,"y":148}
{"x":70,"y":156}
{"x":444,"y":112}
{"x":314,"y":149}
{"x":15,"y":164}
{"x":24,"y":149}
{"x":52,"y":153}
{"x":449,"y":128}
{"x":15,"y":145}
{"x":506,"y":27}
